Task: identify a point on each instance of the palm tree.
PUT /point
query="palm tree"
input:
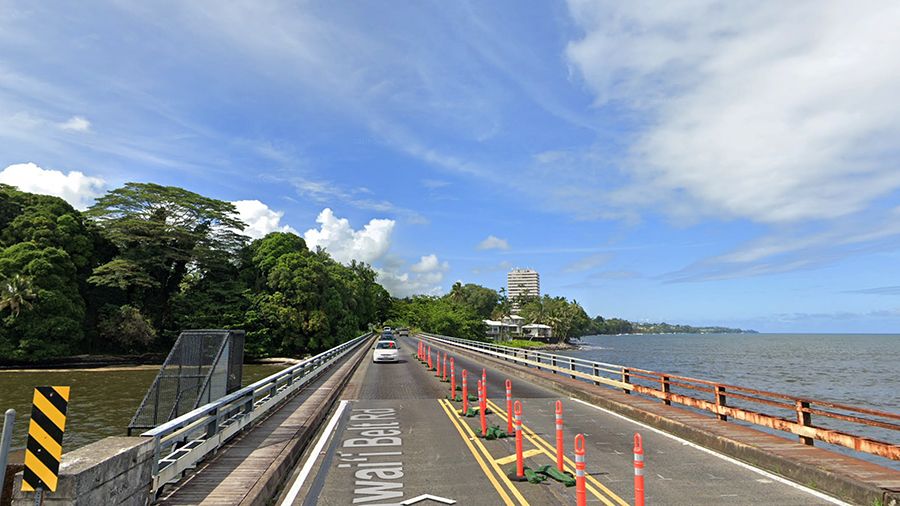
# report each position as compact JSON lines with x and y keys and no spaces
{"x":16,"y":293}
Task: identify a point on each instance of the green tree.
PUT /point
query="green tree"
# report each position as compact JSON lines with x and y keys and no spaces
{"x":127,"y":327}
{"x":54,"y":326}
{"x":480,"y":299}
{"x":162,"y":233}
{"x":17,"y":294}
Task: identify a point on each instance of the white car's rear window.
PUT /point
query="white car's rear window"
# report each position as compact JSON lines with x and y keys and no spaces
{"x":386,"y":345}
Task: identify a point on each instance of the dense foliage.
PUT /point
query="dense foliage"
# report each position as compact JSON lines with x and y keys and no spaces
{"x":147,"y":261}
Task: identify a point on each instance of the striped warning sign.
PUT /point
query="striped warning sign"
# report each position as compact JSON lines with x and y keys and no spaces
{"x":45,"y":434}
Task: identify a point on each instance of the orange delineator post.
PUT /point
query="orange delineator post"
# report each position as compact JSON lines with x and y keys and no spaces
{"x":481,"y":408}
{"x":638,"y":470}
{"x":465,"y":392}
{"x":580,"y":492}
{"x":452,"y":380}
{"x":520,"y":462}
{"x":437,"y":372}
{"x":445,"y":368}
{"x":559,"y":438}
{"x":430,"y":365}
{"x":509,"y":407}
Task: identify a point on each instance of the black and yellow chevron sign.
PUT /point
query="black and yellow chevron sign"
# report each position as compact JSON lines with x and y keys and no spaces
{"x":45,"y":434}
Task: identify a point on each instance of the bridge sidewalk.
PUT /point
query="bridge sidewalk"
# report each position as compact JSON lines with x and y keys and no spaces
{"x":850,"y":478}
{"x":250,"y":469}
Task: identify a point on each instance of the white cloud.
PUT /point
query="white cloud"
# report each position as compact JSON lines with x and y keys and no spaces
{"x":74,"y":187}
{"x":429,"y":263}
{"x":426,"y":277}
{"x":344,"y":243}
{"x":260,"y":219}
{"x":371,"y":244}
{"x":493,"y":242}
{"x":76,"y":124}
{"x":777,"y":112}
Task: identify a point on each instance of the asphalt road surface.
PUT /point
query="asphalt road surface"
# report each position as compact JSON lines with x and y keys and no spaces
{"x":396,"y":436}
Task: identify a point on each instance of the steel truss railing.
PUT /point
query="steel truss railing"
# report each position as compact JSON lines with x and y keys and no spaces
{"x":724,"y":400}
{"x":184,"y":441}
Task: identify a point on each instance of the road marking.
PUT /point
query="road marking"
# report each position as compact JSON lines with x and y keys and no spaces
{"x":816,"y":493}
{"x":484,"y":467}
{"x":512,"y":458}
{"x":307,"y":466}
{"x":550,"y":450}
{"x":488,"y":456}
{"x":430,"y":497}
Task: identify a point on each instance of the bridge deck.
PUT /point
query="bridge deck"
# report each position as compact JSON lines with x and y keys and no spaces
{"x":438,"y":452}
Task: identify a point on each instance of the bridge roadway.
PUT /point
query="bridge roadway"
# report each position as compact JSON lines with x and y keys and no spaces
{"x":396,"y":438}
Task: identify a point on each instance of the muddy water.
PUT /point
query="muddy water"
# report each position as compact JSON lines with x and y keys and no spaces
{"x":102,"y":400}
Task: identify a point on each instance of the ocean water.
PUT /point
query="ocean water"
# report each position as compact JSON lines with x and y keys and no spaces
{"x":856,"y":369}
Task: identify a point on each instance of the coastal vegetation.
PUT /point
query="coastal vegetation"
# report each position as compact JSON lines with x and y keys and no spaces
{"x":147,"y":261}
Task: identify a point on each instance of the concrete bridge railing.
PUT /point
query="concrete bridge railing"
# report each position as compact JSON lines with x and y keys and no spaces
{"x":758,"y":407}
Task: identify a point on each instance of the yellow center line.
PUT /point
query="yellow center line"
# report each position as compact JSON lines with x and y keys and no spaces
{"x":484,"y":467}
{"x":474,"y":439}
{"x":542,"y":443}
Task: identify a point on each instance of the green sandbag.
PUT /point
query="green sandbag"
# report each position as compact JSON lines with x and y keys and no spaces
{"x":455,"y":398}
{"x":565,"y":478}
{"x":471,"y":412}
{"x":534,"y":477}
{"x":494,"y":432}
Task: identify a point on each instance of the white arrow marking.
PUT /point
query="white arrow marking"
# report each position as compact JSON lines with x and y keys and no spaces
{"x":428,"y":496}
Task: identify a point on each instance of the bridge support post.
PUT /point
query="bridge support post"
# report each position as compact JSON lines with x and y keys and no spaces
{"x":805,"y":419}
{"x":720,"y":401}
{"x":626,"y":379}
{"x":664,"y":386}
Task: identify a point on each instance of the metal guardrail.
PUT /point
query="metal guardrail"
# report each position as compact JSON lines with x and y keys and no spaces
{"x":747,"y":406}
{"x":184,"y":441}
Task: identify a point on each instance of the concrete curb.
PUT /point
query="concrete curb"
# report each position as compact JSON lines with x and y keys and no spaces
{"x":271,"y":482}
{"x":844,"y":487}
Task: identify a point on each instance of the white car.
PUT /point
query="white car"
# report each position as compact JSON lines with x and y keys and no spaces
{"x":386,"y":351}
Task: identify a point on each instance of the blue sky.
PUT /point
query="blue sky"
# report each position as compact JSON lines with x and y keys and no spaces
{"x":728,"y":163}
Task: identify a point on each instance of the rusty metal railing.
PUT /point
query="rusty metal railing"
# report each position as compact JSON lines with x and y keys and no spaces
{"x":773,"y":410}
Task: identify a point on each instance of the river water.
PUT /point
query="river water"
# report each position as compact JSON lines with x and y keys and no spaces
{"x":856,"y":369}
{"x":101,"y":403}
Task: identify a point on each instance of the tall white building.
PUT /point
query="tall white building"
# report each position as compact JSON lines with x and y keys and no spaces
{"x":522,"y":282}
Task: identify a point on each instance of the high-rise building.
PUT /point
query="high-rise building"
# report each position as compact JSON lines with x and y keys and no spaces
{"x":521,"y":282}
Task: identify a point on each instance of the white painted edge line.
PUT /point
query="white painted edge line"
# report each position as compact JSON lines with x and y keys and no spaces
{"x":313,"y":455}
{"x":775,"y":477}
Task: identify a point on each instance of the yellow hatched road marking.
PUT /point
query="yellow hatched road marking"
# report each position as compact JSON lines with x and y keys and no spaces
{"x":38,"y":467}
{"x":550,"y":451}
{"x":484,"y":467}
{"x":46,"y":407}
{"x":474,"y":439}
{"x":512,"y":458}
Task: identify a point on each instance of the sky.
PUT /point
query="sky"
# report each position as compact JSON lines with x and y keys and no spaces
{"x":711,"y":163}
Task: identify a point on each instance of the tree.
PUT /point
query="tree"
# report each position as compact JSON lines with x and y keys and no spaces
{"x":126,"y":326}
{"x":480,"y":299}
{"x":17,"y":293}
{"x":54,"y":326}
{"x":162,"y":233}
